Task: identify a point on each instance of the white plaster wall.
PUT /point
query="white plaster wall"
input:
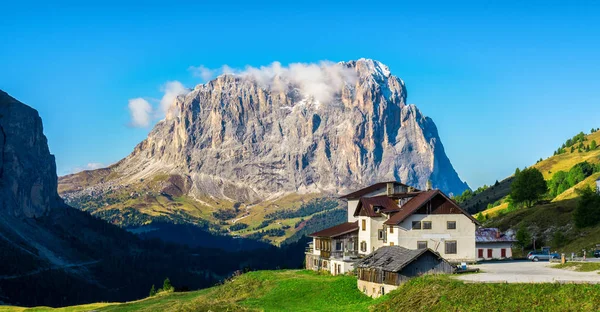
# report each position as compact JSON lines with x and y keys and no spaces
{"x":392,"y":237}
{"x":345,"y":266}
{"x":373,"y":289}
{"x":464,"y":235}
{"x":370,"y":234}
{"x":352,"y":203}
{"x":496,"y":250}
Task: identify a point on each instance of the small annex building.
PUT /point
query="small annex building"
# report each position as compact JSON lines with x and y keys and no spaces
{"x":388,"y":267}
{"x":491,"y":244}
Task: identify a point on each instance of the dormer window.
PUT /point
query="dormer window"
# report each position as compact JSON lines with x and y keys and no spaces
{"x":377,"y":209}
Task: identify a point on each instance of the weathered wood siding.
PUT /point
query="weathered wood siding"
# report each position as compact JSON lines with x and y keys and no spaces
{"x":425,"y":264}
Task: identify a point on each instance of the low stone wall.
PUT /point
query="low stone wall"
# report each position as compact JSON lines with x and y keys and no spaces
{"x":374,"y":290}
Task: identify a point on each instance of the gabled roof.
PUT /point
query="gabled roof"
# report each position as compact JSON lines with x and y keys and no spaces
{"x":492,"y":235}
{"x":393,"y":258}
{"x":337,"y":230}
{"x":417,"y":202}
{"x":368,"y":204}
{"x":411,"y":206}
{"x":370,"y":189}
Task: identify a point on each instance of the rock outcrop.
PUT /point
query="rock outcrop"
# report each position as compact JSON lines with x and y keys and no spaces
{"x":246,"y":138}
{"x":28,"y":181}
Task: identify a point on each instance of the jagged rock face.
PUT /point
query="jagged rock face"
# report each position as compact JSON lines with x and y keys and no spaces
{"x":28,"y":180}
{"x":236,"y":137}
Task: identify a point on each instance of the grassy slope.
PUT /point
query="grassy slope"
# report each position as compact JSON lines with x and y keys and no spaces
{"x":146,"y":198}
{"x":562,"y":217}
{"x":567,"y":160}
{"x":308,"y":291}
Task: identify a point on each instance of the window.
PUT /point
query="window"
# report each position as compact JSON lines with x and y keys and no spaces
{"x":381,"y":234}
{"x":426,"y":225}
{"x":364,"y":225}
{"x":338,"y":246}
{"x":416,"y":225}
{"x":503,"y":253}
{"x":490,"y":253}
{"x":351,"y":246}
{"x":315,"y":262}
{"x":392,"y":229}
{"x":339,"y":268}
{"x":325,"y":264}
{"x":363,"y":246}
{"x":382,"y":290}
{"x":479,"y":253}
{"x":421,"y":244}
{"x":450,"y":247}
{"x":391,"y":243}
{"x":451,"y":225}
{"x":317,"y":244}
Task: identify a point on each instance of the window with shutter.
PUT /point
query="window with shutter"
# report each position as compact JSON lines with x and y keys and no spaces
{"x":450,"y":247}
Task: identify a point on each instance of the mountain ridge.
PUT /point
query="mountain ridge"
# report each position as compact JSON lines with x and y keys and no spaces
{"x":262,"y":134}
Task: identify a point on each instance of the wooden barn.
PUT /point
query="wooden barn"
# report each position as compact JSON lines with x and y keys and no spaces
{"x":388,"y":267}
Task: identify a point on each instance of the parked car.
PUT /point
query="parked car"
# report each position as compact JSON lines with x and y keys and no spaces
{"x":540,"y":255}
{"x":597,"y":253}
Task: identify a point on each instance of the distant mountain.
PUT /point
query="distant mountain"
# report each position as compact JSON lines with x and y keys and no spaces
{"x":54,"y":255}
{"x":248,"y":142}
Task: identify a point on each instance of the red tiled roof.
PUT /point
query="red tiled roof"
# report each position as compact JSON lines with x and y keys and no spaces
{"x":337,"y":230}
{"x":369,"y":203}
{"x":369,"y":189}
{"x":411,"y":206}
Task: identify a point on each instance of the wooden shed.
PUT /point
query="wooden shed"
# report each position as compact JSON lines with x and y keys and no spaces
{"x":388,"y":267}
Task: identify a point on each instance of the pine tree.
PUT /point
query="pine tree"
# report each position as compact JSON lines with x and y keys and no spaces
{"x":593,"y":145}
{"x":152,"y":291}
{"x":167,"y":285}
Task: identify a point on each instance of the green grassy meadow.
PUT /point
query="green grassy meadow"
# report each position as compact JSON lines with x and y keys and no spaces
{"x":293,"y":290}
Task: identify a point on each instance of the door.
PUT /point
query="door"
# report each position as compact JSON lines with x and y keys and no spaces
{"x":489,"y":255}
{"x":480,"y":253}
{"x":503,"y":253}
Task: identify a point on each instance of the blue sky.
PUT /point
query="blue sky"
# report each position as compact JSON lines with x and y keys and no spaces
{"x":505,"y":83}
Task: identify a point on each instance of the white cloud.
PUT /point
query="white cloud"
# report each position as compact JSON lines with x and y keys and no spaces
{"x":172,"y":89}
{"x":320,"y":80}
{"x":203,"y":72}
{"x":141,"y":112}
{"x":89,"y":166}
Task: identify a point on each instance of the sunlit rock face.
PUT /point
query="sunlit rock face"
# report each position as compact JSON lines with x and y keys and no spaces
{"x":28,"y":179}
{"x":329,"y":128}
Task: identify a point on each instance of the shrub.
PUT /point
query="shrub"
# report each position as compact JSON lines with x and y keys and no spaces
{"x":587,"y":212}
{"x":528,"y":186}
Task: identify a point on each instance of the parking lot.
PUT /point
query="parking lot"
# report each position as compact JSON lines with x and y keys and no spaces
{"x":527,"y":272}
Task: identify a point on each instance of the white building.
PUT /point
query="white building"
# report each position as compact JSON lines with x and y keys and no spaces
{"x":493,"y":244}
{"x":598,"y":185}
{"x":394,"y":214}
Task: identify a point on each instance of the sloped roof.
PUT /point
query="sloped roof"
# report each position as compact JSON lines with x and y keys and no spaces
{"x":411,"y":206}
{"x":370,"y":189}
{"x":393,"y":258}
{"x":369,"y":203}
{"x":337,"y":230}
{"x":492,"y":235}
{"x":417,"y":202}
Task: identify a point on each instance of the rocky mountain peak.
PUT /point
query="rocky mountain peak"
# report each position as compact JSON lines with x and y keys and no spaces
{"x":302,"y":128}
{"x":28,"y":181}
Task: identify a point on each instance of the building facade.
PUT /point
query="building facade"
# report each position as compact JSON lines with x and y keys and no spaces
{"x":394,"y":214}
{"x":492,"y":244}
{"x":388,"y":267}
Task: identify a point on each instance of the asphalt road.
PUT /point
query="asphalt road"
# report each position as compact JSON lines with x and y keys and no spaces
{"x":527,"y":272}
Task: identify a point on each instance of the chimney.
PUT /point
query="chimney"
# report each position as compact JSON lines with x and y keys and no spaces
{"x":498,"y":234}
{"x":429,"y":187}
